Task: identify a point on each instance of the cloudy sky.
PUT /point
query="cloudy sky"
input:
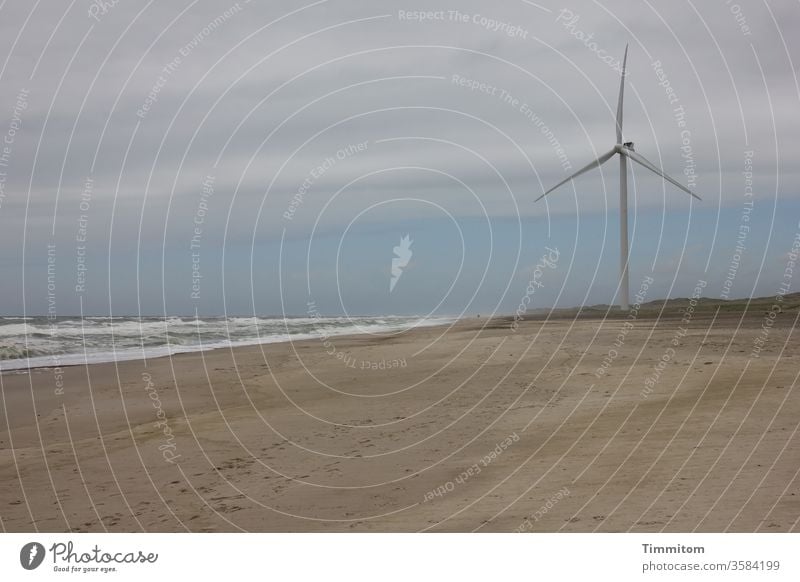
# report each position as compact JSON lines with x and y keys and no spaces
{"x":250,"y":157}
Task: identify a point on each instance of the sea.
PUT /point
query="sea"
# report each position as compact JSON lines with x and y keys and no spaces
{"x":33,"y":342}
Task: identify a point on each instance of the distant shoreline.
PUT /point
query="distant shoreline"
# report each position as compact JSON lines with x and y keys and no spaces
{"x":651,"y":311}
{"x":791,"y":299}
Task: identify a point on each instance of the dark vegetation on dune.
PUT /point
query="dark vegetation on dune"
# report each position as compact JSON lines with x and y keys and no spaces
{"x":674,"y":308}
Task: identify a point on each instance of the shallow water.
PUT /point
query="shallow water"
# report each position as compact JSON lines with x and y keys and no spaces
{"x":27,"y":342}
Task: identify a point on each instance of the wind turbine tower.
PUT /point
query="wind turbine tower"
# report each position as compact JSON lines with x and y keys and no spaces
{"x":625,"y":151}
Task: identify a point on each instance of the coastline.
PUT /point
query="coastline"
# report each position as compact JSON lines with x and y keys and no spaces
{"x":62,"y":360}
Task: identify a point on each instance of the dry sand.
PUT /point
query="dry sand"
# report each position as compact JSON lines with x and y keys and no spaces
{"x":287,"y":437}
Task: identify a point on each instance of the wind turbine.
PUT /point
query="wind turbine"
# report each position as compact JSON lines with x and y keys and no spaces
{"x":625,"y":151}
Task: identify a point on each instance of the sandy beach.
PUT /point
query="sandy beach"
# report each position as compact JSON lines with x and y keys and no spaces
{"x":561,"y":425}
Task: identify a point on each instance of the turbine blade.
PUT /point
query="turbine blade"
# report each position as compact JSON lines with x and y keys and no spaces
{"x":598,"y":162}
{"x":641,"y":160}
{"x":621,"y":92}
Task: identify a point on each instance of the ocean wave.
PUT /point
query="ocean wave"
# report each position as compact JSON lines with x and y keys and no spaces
{"x":20,"y":329}
{"x":15,"y":352}
{"x":73,"y":341}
